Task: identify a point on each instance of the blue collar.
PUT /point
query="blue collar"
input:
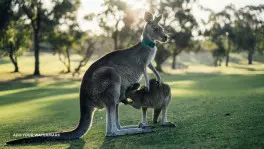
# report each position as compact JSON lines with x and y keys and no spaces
{"x":147,"y":43}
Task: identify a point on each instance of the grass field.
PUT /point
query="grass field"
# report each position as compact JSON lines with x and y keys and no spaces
{"x":212,"y":108}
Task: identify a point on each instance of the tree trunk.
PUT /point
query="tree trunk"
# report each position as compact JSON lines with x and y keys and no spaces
{"x":13,"y":60}
{"x":216,"y":62}
{"x":36,"y":52}
{"x":174,"y":54}
{"x":250,"y":57}
{"x":69,"y":61}
{"x":16,"y":65}
{"x":115,"y":36}
{"x":115,"y":40}
{"x":227,"y":53}
{"x":82,"y":63}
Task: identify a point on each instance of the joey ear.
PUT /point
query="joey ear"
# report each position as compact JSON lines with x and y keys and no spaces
{"x":158,"y":18}
{"x":148,"y":17}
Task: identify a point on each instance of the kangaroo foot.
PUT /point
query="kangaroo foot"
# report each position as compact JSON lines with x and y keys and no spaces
{"x":128,"y":132}
{"x":144,"y":126}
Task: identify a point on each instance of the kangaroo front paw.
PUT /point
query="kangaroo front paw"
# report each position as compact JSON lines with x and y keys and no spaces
{"x":168,"y":124}
{"x":158,"y":82}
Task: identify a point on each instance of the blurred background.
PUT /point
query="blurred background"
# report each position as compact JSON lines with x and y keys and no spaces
{"x":78,"y":32}
{"x":213,"y":62}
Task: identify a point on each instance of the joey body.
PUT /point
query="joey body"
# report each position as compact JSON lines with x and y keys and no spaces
{"x":157,"y":98}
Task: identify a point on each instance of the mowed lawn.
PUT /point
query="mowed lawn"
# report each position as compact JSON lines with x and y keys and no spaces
{"x":212,"y":108}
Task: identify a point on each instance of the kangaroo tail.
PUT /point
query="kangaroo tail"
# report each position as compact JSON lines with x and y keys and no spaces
{"x":85,"y":122}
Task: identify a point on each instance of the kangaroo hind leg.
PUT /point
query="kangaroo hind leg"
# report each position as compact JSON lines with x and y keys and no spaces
{"x":110,"y":97}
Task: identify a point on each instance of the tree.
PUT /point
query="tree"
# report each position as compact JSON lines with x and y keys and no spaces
{"x":43,"y":19}
{"x":14,"y":41}
{"x":260,"y":39}
{"x":164,"y":9}
{"x":179,"y":23}
{"x":222,"y":28}
{"x":85,"y":48}
{"x":5,"y":13}
{"x":63,"y":39}
{"x":228,"y":27}
{"x":248,"y":22}
{"x":63,"y":42}
{"x":219,"y":53}
{"x":161,"y":56}
{"x":131,"y":31}
{"x":181,"y":26}
{"x":114,"y":11}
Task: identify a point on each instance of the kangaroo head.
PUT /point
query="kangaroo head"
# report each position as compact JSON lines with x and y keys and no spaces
{"x":152,"y":30}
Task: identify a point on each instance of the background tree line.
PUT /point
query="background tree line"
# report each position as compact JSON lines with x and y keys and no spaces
{"x":27,"y":23}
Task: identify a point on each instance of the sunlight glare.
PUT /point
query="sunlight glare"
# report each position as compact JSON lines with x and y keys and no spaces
{"x":142,"y":4}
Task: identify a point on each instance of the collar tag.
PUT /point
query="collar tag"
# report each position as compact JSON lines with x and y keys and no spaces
{"x":147,"y":43}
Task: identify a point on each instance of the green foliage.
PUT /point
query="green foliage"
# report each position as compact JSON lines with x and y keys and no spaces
{"x":248,"y":23}
{"x":223,"y":32}
{"x":179,"y":22}
{"x":43,"y":19}
{"x":114,"y":11}
{"x":119,"y":22}
{"x":14,"y":41}
{"x":64,"y":39}
{"x":5,"y":13}
{"x":63,"y":42}
{"x":85,"y":48}
{"x":208,"y":45}
{"x":260,"y":39}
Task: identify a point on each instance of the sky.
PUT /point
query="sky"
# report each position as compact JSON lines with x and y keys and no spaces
{"x":94,"y":6}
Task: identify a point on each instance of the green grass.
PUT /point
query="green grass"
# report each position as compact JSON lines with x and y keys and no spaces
{"x":212,"y":108}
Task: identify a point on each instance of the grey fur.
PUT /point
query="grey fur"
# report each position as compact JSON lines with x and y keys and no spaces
{"x":158,"y":98}
{"x":105,"y":82}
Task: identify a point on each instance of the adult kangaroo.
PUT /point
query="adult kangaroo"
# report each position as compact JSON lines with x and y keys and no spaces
{"x":105,"y":82}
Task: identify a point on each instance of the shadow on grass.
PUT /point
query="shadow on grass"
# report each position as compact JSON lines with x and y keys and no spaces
{"x":16,"y":85}
{"x":78,"y":144}
{"x":198,"y":120}
{"x":212,"y":82}
{"x":19,"y":82}
{"x":248,"y":69}
{"x":33,"y":94}
{"x":244,"y":68}
{"x":158,"y":138}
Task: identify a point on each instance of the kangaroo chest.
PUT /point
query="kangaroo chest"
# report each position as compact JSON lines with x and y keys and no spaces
{"x":131,"y":71}
{"x":147,"y":56}
{"x":152,"y":55}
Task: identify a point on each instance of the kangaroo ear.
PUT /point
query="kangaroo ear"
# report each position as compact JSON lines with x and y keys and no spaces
{"x":158,"y":18}
{"x":148,"y":17}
